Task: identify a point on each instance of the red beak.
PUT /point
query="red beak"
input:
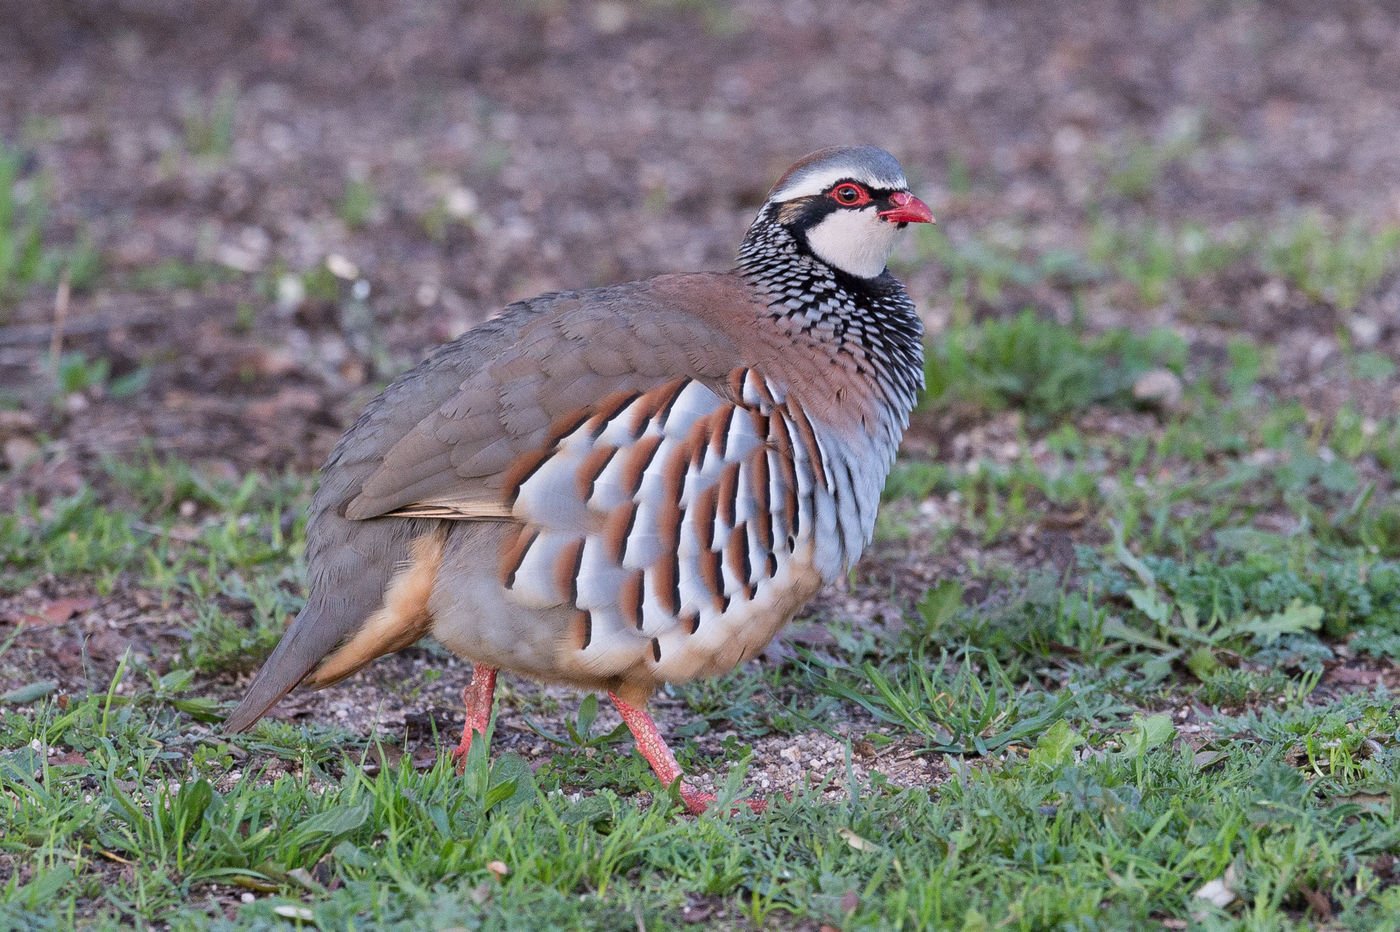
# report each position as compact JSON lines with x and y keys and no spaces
{"x":907,"y":209}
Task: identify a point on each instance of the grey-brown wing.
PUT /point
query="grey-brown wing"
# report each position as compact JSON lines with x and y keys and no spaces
{"x":449,"y":431}
{"x":561,"y":366}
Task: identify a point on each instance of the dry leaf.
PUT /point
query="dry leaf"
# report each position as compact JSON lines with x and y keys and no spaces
{"x":303,"y":876}
{"x":288,"y":911}
{"x":1353,"y":676}
{"x":863,"y":844}
{"x":697,"y":912}
{"x":855,"y":841}
{"x":1218,"y":892}
{"x":1318,"y":902}
{"x":58,"y":611}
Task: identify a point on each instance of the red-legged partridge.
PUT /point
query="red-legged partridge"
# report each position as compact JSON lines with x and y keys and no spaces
{"x":631,"y":485}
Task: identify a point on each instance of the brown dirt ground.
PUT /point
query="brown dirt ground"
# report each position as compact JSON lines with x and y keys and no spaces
{"x":518,"y":148}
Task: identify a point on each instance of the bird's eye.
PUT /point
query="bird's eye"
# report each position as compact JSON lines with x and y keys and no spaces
{"x":850,"y":195}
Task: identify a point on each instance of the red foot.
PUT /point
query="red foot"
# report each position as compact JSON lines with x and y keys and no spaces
{"x":697,"y":802}
{"x":479,"y":697}
{"x":653,"y":747}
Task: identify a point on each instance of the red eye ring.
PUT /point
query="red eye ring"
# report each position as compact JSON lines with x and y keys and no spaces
{"x":850,"y":194}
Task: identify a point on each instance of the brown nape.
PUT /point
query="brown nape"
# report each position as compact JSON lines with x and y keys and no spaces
{"x":403,"y":619}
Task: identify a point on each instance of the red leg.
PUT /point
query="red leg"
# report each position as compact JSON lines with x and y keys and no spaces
{"x":479,"y":697}
{"x":653,"y":747}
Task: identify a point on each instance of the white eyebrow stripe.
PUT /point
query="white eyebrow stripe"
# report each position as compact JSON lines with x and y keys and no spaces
{"x":819,"y":181}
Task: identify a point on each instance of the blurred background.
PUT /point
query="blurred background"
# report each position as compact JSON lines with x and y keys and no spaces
{"x":1132,"y":609}
{"x":223,"y":223}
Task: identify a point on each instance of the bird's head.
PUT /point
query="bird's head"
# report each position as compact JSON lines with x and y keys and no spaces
{"x":843,"y":205}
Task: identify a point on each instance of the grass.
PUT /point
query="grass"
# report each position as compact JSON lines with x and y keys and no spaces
{"x":1181,"y":715}
{"x":982,"y":270}
{"x":1148,"y":262}
{"x":28,"y":256}
{"x":1135,"y":167}
{"x":1155,"y":260}
{"x":179,"y":275}
{"x":357,"y":204}
{"x":1332,"y":262}
{"x":144,"y":813}
{"x":1107,"y":814}
{"x":75,"y":373}
{"x":1043,"y":368}
{"x":1074,"y":795}
{"x":209,"y":122}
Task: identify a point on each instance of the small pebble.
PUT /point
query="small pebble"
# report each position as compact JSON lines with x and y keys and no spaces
{"x":1159,"y":388}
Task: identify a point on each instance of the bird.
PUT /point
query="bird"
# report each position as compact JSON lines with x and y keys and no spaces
{"x":632,"y":485}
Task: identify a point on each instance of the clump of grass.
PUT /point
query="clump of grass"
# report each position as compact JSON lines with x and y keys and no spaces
{"x":77,"y":373}
{"x":357,"y":204}
{"x":1042,"y":367}
{"x":995,"y":499}
{"x":179,"y":275}
{"x":26,"y":258}
{"x":1234,"y":686}
{"x":236,"y":564}
{"x":750,"y":701}
{"x":1156,"y":259}
{"x":239,"y":619}
{"x":68,"y":536}
{"x":209,"y":123}
{"x":1136,"y":165}
{"x":1020,"y":701}
{"x":1256,"y":595}
{"x":974,"y":707}
{"x":982,"y":269}
{"x":1331,"y":262}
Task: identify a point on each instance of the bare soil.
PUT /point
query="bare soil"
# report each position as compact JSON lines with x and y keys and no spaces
{"x":516,"y":148}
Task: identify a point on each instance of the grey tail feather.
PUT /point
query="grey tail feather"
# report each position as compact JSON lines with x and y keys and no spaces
{"x":306,"y":642}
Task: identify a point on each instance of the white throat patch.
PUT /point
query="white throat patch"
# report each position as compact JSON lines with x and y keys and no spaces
{"x":855,"y":241}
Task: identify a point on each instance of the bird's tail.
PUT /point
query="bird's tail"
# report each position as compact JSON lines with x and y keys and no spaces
{"x":301,"y":648}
